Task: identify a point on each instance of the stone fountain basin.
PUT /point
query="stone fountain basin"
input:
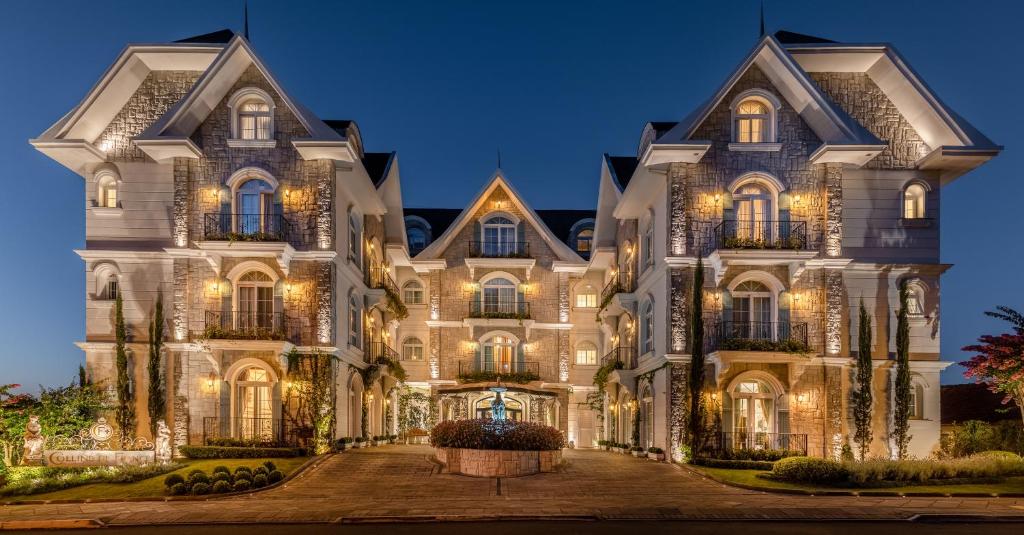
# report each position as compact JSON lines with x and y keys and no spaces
{"x":497,"y":463}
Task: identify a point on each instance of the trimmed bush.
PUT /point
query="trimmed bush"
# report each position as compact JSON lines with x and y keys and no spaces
{"x":750,"y":454}
{"x":655,"y":450}
{"x":198,"y":489}
{"x":274,"y":476}
{"x":242,"y":485}
{"x":270,"y":466}
{"x":222,"y":486}
{"x":244,"y":443}
{"x":734,"y":464}
{"x":496,"y":435}
{"x":809,"y":470}
{"x":216,"y":452}
{"x":220,"y":476}
{"x":198,"y":476}
{"x":177,"y":489}
{"x":259,"y":481}
{"x":194,"y":472}
{"x":173,"y":480}
{"x":221,"y":469}
{"x":875,"y":472}
{"x":260,"y":470}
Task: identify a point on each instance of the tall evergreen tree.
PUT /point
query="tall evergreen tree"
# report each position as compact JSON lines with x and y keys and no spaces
{"x":901,"y":392}
{"x":83,"y":379}
{"x":696,"y":383}
{"x":862,"y":391}
{"x":157,"y":400}
{"x":124,"y":413}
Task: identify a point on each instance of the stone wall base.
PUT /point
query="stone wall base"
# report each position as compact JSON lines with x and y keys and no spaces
{"x":497,"y":463}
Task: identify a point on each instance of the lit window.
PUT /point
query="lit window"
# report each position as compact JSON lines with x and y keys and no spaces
{"x":354,"y":239}
{"x":752,"y":118}
{"x":916,"y":402}
{"x":584,"y":241}
{"x":647,"y":328}
{"x":255,"y":291}
{"x":913,"y":202}
{"x":648,"y":244}
{"x":353,"y":322}
{"x":412,"y":293}
{"x":412,"y":349}
{"x":499,"y":237}
{"x":254,"y":120}
{"x":587,"y":297}
{"x":106,"y":191}
{"x":417,"y":239}
{"x":586,"y":354}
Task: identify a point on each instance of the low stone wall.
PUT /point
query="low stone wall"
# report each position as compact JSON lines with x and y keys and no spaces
{"x":497,"y":463}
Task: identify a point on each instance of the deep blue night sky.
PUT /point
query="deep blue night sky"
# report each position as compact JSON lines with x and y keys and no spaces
{"x":448,"y":83}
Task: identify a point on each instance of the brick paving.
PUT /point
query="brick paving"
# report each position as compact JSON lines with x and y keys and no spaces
{"x":401,"y":481}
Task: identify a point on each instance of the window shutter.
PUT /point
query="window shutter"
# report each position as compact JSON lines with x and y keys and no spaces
{"x":488,"y":364}
{"x":477,"y":236}
{"x":727,"y":424}
{"x":783,"y":426}
{"x":225,"y":309}
{"x":520,"y":301}
{"x":521,"y":232}
{"x":225,"y":410}
{"x":476,"y":304}
{"x":726,"y":306}
{"x":783,"y":327}
{"x":784,"y":225}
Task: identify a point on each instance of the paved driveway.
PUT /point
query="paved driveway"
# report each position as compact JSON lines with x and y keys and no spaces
{"x":400,"y":481}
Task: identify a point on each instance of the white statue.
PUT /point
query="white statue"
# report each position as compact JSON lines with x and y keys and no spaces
{"x":162,"y":442}
{"x":33,"y":452}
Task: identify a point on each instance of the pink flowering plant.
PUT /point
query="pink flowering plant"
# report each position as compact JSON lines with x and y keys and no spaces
{"x":495,"y":435}
{"x":999,"y":362}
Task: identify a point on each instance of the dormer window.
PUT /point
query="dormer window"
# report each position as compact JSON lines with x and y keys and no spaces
{"x":913,"y":202}
{"x":751,"y":122}
{"x":252,"y":119}
{"x":107,"y":190}
{"x":754,"y":121}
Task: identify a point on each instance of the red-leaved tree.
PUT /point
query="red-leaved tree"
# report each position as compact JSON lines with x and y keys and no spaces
{"x":999,"y":362}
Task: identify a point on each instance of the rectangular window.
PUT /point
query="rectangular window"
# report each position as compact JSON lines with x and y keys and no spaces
{"x":413,"y":352}
{"x":413,"y":296}
{"x":586,"y":357}
{"x":586,"y":300}
{"x":112,"y":289}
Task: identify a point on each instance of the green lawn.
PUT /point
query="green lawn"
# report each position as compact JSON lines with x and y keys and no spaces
{"x":154,"y":486}
{"x":749,"y":478}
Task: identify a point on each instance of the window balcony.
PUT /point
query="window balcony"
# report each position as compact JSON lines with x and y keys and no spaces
{"x":626,"y":356}
{"x":621,"y":283}
{"x":760,"y":235}
{"x":753,"y":440}
{"x":499,"y":249}
{"x":513,"y":371}
{"x":783,"y":336}
{"x":519,"y":310}
{"x":379,"y":278}
{"x":247,"y":325}
{"x":250,"y":228}
{"x":378,"y":349}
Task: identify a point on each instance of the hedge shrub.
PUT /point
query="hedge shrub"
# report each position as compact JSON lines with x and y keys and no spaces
{"x":222,"y":486}
{"x":217,"y":452}
{"x":270,"y":466}
{"x":198,"y":489}
{"x":736,"y":464}
{"x":259,"y":481}
{"x":750,"y":454}
{"x":173,"y":480}
{"x":274,"y":476}
{"x":809,"y":470}
{"x":177,"y":489}
{"x":242,"y":485}
{"x":496,"y":435}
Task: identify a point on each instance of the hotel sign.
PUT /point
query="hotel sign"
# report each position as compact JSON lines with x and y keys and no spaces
{"x":82,"y":458}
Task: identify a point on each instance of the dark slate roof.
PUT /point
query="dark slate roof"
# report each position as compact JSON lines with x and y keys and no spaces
{"x":439,"y":219}
{"x":622,"y":168}
{"x":974,"y":402}
{"x":338,"y":125}
{"x":792,"y":38}
{"x":377,"y":165}
{"x":219,"y":37}
{"x":561,"y":221}
{"x":660,"y":127}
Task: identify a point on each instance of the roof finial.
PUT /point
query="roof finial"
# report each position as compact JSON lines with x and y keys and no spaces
{"x":247,"y":20}
{"x":762,"y":18}
{"x":499,"y":157}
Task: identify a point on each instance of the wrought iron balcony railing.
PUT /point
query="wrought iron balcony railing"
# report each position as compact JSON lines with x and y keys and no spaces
{"x":376,"y":349}
{"x":499,"y":249}
{"x":249,"y":227}
{"x":499,"y":309}
{"x":784,"y":336}
{"x":379,"y":277}
{"x":791,"y":235}
{"x":625,"y":355}
{"x":252,"y":431}
{"x":513,"y":370}
{"x":621,"y":282}
{"x":747,"y":440}
{"x":246,"y":325}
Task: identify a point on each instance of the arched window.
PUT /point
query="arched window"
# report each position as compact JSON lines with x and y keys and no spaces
{"x":498,"y":234}
{"x":500,"y":355}
{"x":647,"y":327}
{"x":412,"y":293}
{"x":916,"y":401}
{"x":754,"y":411}
{"x":106,"y":190}
{"x":255,"y":305}
{"x":586,"y":354}
{"x":254,"y":409}
{"x":254,"y":209}
{"x":913,"y":202}
{"x":412,"y":349}
{"x":752,"y":203}
{"x":417,"y":239}
{"x":647,"y":245}
{"x":586,"y":297}
{"x":499,"y":298}
{"x":252,"y":117}
{"x":752,"y":311}
{"x":753,"y":115}
{"x":111,"y":289}
{"x":354,"y":322}
{"x":355,"y":239}
{"x":915,"y":298}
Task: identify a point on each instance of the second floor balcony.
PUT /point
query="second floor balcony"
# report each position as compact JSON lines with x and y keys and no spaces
{"x":246,"y":325}
{"x":249,"y":228}
{"x":378,"y":277}
{"x":377,"y":349}
{"x":625,"y":356}
{"x":621,"y":282}
{"x":489,"y":309}
{"x":776,"y":336}
{"x":513,"y":370}
{"x":759,"y":235}
{"x":499,"y":249}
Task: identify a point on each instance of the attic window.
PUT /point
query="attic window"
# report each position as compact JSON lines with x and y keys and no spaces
{"x":754,"y":121}
{"x":252,"y":118}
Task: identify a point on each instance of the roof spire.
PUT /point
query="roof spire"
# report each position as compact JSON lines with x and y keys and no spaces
{"x":247,"y":21}
{"x":762,"y":19}
{"x":499,"y":157}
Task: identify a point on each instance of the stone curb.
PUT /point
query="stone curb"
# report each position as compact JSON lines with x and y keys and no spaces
{"x":209,"y":497}
{"x":865,"y":493}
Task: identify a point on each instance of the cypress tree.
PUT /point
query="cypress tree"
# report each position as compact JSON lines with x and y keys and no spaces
{"x":901,"y":393}
{"x":157,"y":400}
{"x":124,"y":413}
{"x":862,"y":391}
{"x":83,"y":379}
{"x":696,"y":382}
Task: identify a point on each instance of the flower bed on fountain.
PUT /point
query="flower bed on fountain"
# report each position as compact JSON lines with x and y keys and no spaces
{"x":493,"y":448}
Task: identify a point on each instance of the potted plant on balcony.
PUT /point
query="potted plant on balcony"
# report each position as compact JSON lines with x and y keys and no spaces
{"x":637,"y":451}
{"x":602,"y":444}
{"x":656,"y":454}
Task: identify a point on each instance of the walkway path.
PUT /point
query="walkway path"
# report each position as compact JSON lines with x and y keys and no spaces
{"x":400,"y":481}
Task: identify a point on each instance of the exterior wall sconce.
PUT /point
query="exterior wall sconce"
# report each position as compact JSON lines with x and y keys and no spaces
{"x":718,"y":198}
{"x":633,"y":405}
{"x":370,"y":397}
{"x":797,"y":200}
{"x":211,"y":383}
{"x":802,"y":397}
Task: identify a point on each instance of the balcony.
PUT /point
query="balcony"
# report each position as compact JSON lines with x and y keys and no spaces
{"x":518,"y":310}
{"x":246,"y":325}
{"x":378,"y":349}
{"x":625,"y":356}
{"x":748,"y":440}
{"x":250,"y":228}
{"x":760,"y":235}
{"x":621,"y":282}
{"x":268,"y":432}
{"x":511,"y":371}
{"x":783,"y":336}
{"x":498,"y":249}
{"x":379,"y":278}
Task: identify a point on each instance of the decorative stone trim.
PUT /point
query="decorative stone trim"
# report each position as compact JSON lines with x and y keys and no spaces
{"x":497,"y":463}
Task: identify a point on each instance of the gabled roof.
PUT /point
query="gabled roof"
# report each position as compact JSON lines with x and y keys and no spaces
{"x":377,"y":165}
{"x":442,"y":242}
{"x":830,"y":123}
{"x":789,"y":38}
{"x":219,"y":37}
{"x":622,"y":168}
{"x":561,"y":221}
{"x":439,"y":219}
